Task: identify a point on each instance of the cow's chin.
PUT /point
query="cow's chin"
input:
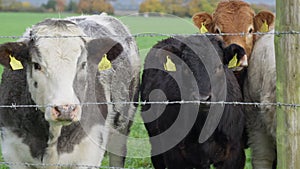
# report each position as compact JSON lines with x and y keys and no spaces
{"x":52,"y":118}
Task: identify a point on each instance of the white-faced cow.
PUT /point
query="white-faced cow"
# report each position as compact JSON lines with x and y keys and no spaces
{"x":54,"y":74}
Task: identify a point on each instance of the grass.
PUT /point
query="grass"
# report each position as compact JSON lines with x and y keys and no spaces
{"x":1,"y":70}
{"x":14,"y":24}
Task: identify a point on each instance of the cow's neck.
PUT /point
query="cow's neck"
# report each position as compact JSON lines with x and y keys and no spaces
{"x":51,"y":156}
{"x":54,"y":133}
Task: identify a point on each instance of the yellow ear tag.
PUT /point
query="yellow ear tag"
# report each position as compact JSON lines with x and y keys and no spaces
{"x":15,"y":64}
{"x":169,"y":65}
{"x":104,"y":64}
{"x":203,"y":29}
{"x":233,"y":62}
{"x":264,"y":27}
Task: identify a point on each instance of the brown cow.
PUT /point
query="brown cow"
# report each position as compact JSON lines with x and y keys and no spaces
{"x":235,"y":16}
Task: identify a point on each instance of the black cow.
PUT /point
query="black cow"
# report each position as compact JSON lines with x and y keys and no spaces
{"x":189,"y":68}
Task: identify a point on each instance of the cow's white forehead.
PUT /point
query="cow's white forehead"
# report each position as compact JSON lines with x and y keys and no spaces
{"x":58,"y":43}
{"x":60,"y":48}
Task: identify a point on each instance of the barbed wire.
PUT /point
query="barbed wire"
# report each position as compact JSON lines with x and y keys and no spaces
{"x":63,"y":165}
{"x":275,"y":33}
{"x":223,"y":103}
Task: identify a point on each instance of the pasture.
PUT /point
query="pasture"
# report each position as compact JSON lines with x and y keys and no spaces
{"x":14,"y":24}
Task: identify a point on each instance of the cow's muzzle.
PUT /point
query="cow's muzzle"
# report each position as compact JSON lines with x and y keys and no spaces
{"x":235,"y":56}
{"x":66,"y":113}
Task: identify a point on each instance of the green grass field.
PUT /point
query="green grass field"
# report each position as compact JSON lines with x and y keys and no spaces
{"x":14,"y":24}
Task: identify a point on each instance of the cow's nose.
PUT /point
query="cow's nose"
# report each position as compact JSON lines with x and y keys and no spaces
{"x":66,"y":112}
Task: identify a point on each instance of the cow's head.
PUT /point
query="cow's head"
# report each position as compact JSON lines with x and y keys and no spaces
{"x":56,"y":63}
{"x":235,"y":16}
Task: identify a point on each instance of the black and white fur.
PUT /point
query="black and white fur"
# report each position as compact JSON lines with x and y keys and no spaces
{"x":59,"y":75}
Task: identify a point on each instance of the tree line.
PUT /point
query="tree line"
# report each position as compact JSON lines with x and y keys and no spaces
{"x":187,"y":7}
{"x":180,"y":8}
{"x":83,"y":6}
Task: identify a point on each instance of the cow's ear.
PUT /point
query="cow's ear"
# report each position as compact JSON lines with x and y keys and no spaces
{"x":264,"y":21}
{"x":13,"y":54}
{"x":203,"y":18}
{"x":97,"y":48}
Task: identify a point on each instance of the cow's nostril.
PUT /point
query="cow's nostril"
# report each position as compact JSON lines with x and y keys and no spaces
{"x":65,"y":108}
{"x":57,"y":112}
{"x":57,"y":108}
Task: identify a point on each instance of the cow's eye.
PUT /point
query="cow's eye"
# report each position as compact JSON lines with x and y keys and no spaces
{"x":37,"y":66}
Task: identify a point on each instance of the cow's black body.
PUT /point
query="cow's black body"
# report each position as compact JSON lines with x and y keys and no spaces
{"x":224,"y":148}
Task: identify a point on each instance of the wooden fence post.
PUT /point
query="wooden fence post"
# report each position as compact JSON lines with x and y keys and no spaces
{"x":288,"y":83}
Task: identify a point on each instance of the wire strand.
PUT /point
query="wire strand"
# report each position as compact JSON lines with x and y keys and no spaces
{"x":62,"y":165}
{"x":256,"y":104}
{"x":275,"y":33}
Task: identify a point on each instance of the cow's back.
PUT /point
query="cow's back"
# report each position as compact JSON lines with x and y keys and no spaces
{"x":102,"y":25}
